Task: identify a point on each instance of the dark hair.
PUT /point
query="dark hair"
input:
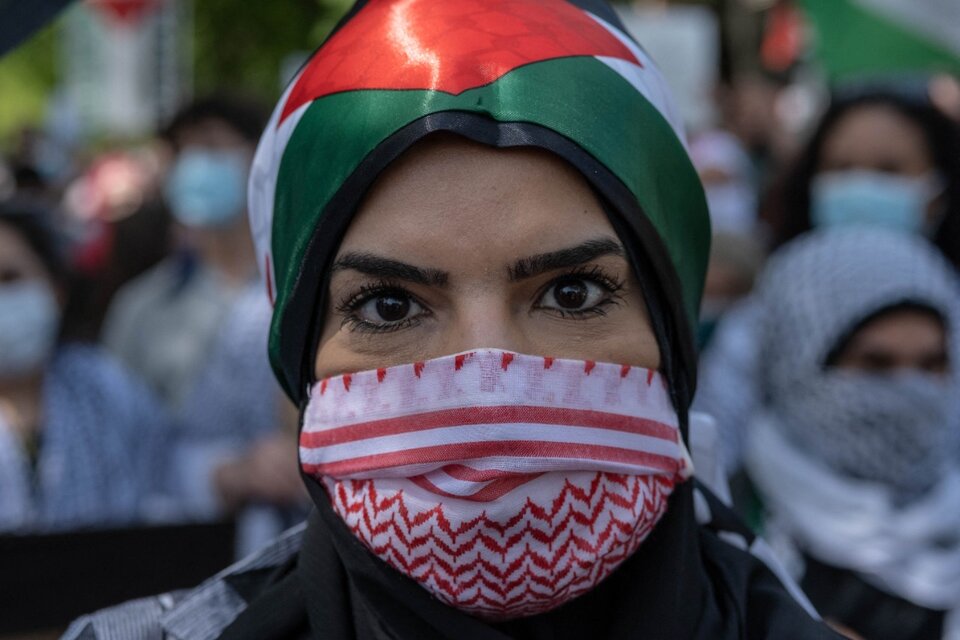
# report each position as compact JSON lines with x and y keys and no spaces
{"x":33,"y":223}
{"x":790,"y":201}
{"x":244,"y":115}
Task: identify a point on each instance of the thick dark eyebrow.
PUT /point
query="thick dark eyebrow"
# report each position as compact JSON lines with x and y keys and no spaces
{"x":565,"y":258}
{"x":373,"y":265}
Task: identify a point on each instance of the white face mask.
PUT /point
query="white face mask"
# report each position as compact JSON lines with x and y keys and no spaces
{"x":29,"y":319}
{"x":504,"y":484}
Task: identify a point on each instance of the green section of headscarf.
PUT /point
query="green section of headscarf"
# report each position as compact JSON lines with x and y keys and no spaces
{"x":580,"y":98}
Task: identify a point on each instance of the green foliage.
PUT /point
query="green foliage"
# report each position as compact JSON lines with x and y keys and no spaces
{"x":242,"y":45}
{"x":27,"y":76}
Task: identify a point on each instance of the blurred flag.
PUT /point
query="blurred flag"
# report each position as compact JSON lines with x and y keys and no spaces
{"x":878,"y":37}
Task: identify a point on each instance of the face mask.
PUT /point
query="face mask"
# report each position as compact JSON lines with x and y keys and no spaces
{"x":207,"y":188}
{"x":29,"y":318}
{"x":504,"y":484}
{"x":891,"y":429}
{"x":871,"y":198}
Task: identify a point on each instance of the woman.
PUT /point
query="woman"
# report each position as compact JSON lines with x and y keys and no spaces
{"x":854,"y":454}
{"x":876,"y":159}
{"x":485,"y":243}
{"x":81,"y":442}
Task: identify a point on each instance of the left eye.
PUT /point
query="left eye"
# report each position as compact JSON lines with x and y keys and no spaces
{"x":573,"y":294}
{"x":388,"y":309}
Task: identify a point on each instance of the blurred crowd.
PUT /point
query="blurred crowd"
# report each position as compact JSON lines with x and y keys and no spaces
{"x":135,"y":386}
{"x":134,"y":382}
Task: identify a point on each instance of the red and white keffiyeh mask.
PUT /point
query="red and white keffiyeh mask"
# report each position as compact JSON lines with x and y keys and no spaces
{"x":504,"y":484}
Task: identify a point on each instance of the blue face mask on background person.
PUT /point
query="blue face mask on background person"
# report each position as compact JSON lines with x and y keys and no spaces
{"x":871,"y":198}
{"x":206,"y":187}
{"x":29,"y":320}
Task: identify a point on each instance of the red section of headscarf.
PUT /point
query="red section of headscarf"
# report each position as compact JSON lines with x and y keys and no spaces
{"x":448,"y":46}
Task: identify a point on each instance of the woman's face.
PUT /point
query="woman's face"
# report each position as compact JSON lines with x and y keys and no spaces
{"x":460,"y":246}
{"x":876,"y":138}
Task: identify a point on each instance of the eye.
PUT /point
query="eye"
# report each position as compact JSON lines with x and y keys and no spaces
{"x":381,"y":308}
{"x":579,"y":294}
{"x":388,"y":308}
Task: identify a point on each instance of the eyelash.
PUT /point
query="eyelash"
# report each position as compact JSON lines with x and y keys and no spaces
{"x":349,"y":305}
{"x":595,"y":274}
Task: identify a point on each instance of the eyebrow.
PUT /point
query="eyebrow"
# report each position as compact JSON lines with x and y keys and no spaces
{"x":565,"y":258}
{"x":378,"y":266}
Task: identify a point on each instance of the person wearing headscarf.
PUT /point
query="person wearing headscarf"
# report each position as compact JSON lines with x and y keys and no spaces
{"x":877,"y":158}
{"x":83,"y":442}
{"x":855,"y":453}
{"x":485,"y":244}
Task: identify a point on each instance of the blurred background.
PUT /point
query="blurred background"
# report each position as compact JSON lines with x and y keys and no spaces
{"x":138,"y":284}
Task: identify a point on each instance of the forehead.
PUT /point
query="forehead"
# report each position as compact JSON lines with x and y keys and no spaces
{"x":449,"y":198}
{"x":874,"y":131}
{"x":902,"y":330}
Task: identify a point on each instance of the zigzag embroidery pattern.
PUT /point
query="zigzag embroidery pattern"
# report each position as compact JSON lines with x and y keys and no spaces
{"x":540,"y":558}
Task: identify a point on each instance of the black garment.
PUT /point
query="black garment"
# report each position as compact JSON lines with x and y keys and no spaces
{"x":841,"y":595}
{"x":683,"y":582}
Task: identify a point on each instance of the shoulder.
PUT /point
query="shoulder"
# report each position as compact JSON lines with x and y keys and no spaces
{"x":198,"y":614}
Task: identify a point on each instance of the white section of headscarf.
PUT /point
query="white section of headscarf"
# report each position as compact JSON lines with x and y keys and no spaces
{"x":816,"y":291}
{"x":262,"y":185}
{"x":912,"y":551}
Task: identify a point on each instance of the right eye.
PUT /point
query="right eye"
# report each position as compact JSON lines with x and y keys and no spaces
{"x":382,"y":310}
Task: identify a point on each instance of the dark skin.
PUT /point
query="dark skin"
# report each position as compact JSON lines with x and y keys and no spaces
{"x":460,"y":246}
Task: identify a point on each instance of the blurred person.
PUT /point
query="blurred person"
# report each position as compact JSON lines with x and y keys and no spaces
{"x":735,"y":261}
{"x":82,"y":442}
{"x":485,"y":286}
{"x":854,"y":454}
{"x":727,"y":175}
{"x":194,"y":326}
{"x":876,"y":159}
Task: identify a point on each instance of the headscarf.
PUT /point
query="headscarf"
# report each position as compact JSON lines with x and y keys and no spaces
{"x":815,"y":294}
{"x":558,"y":75}
{"x":859,"y":469}
{"x":561,"y":76}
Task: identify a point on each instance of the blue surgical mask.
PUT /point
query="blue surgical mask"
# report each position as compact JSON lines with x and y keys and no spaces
{"x":871,"y":198}
{"x":206,"y":187}
{"x":29,"y":320}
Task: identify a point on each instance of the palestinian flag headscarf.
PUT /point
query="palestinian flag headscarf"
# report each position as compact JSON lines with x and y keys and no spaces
{"x":562,"y":76}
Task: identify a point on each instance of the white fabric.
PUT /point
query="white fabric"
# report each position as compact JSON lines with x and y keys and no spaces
{"x":912,"y":551}
{"x":498,"y":517}
{"x":815,"y":293}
